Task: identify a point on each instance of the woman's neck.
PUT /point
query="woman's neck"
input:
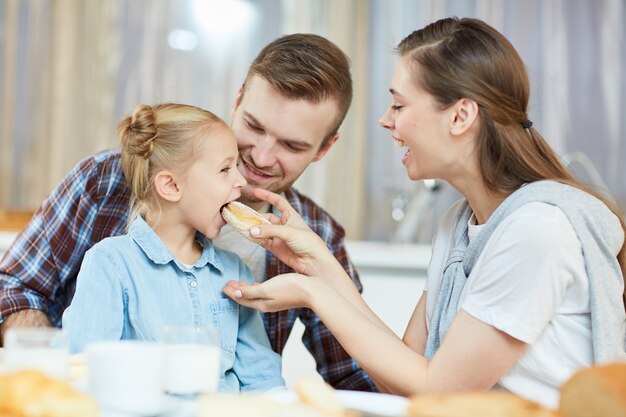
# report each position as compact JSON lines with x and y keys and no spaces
{"x":484,"y":204}
{"x":482,"y":200}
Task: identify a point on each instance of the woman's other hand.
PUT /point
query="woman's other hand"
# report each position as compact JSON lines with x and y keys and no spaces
{"x":282,"y":292}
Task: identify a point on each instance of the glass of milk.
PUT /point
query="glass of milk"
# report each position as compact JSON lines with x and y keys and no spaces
{"x":191,"y":358}
{"x":44,"y":349}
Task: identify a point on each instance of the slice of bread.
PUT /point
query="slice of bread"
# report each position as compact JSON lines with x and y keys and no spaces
{"x":598,"y":391}
{"x":479,"y":404}
{"x":320,"y":396}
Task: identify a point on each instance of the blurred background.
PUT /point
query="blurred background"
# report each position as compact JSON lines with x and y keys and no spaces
{"x":71,"y":69}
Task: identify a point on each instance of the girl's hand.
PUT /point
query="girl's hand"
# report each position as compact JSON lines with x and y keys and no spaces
{"x":292,"y":240}
{"x":279,"y":293}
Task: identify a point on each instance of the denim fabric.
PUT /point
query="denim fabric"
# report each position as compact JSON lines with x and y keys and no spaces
{"x":130,"y":286}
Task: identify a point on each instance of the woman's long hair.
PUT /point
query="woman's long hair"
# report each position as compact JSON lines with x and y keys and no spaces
{"x":466,"y":58}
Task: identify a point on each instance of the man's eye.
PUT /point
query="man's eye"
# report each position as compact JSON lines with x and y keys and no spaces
{"x":292,"y":148}
{"x":253,"y":127}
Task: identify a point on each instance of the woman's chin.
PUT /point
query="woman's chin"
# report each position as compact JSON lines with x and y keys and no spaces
{"x":413,"y":176}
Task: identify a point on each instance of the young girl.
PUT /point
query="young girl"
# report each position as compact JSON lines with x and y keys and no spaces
{"x":180,"y":163}
{"x":525,"y":283}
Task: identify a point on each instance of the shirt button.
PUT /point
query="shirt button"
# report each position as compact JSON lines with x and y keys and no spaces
{"x":193,"y":284}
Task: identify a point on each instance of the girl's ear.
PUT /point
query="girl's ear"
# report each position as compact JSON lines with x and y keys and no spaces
{"x":464,"y":116}
{"x":167,"y":187}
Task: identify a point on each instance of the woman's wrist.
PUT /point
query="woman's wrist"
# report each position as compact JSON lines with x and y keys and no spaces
{"x":317,"y":292}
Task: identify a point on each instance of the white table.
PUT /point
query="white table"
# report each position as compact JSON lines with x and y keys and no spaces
{"x":6,"y":239}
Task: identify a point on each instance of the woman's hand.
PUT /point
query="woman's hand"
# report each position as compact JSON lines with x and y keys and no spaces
{"x":279,"y":293}
{"x":292,"y":240}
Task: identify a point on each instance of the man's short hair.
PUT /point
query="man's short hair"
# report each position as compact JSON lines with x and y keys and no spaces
{"x":309,"y":67}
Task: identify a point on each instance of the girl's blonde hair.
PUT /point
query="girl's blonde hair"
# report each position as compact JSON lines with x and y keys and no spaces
{"x":156,"y":138}
{"x":466,"y":58}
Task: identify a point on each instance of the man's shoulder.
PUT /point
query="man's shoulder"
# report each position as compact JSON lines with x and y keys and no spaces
{"x":96,"y":178}
{"x":105,"y":166}
{"x":100,"y":175}
{"x":109,"y":161}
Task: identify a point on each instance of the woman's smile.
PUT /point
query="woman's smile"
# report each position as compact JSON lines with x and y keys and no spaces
{"x":400,"y":144}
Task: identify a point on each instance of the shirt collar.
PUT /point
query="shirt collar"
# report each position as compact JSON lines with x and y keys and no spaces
{"x":154,"y":248}
{"x":293,"y":200}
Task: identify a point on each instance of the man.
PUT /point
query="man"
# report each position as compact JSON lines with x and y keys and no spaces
{"x":285,"y":116}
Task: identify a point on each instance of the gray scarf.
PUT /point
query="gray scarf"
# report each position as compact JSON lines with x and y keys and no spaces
{"x":601,"y":238}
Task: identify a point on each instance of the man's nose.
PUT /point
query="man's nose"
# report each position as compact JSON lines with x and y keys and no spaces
{"x":263,"y":152}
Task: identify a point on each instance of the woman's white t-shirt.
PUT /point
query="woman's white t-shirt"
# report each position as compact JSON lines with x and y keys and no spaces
{"x":529,"y":282}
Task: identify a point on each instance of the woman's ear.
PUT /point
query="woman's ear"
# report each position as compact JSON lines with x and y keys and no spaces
{"x":167,"y":187}
{"x":464,"y":116}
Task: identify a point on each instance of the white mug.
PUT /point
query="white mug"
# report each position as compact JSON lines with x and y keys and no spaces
{"x":126,"y":376}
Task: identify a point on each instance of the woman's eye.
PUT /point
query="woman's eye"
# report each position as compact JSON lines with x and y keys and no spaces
{"x":225,"y":169}
{"x":396,"y":107}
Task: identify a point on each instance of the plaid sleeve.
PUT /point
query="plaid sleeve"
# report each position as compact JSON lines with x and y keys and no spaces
{"x":39,"y":270}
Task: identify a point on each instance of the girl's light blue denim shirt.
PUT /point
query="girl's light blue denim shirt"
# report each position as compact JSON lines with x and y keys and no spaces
{"x":131,"y":286}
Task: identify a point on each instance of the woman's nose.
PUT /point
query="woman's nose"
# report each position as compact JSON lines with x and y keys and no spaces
{"x":385,"y":120}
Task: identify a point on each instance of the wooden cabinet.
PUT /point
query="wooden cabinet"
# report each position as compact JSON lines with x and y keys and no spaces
{"x":12,"y":220}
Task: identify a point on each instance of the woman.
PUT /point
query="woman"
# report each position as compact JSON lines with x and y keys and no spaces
{"x":525,"y":283}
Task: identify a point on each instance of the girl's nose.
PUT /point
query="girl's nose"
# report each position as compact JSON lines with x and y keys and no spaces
{"x":240,"y":181}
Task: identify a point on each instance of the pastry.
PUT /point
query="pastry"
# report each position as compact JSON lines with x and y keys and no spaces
{"x":599,"y":391}
{"x":31,"y":393}
{"x":242,"y":218}
{"x":483,"y":404}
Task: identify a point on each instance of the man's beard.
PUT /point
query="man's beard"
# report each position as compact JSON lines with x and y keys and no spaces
{"x":247,"y":196}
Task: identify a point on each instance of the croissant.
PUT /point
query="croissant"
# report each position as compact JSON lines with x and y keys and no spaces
{"x":31,"y":393}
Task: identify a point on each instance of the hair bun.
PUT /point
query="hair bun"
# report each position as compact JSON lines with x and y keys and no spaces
{"x":139,"y":131}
